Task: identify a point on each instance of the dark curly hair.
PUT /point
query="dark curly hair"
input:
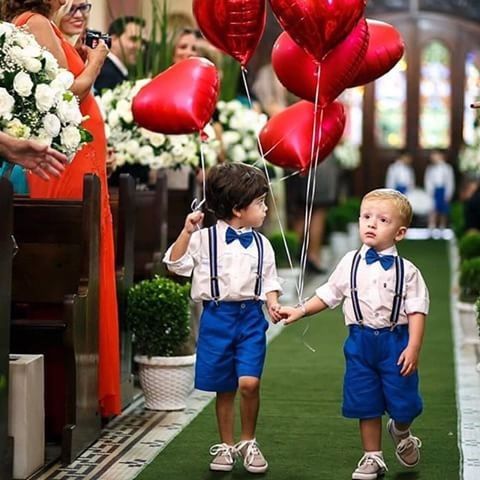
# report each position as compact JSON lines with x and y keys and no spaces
{"x":233,"y":186}
{"x":13,"y":8}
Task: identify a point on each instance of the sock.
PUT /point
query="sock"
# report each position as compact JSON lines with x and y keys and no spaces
{"x":378,"y":454}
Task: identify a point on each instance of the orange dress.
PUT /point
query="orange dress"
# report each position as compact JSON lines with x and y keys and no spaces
{"x":91,"y":159}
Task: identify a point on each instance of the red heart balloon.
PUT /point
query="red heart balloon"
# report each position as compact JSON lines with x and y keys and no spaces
{"x":286,"y":139}
{"x":297,"y":71}
{"x":181,"y":99}
{"x":233,"y":26}
{"x":385,"y":49}
{"x":318,"y":25}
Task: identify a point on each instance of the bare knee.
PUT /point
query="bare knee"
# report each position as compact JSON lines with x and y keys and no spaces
{"x":249,"y":386}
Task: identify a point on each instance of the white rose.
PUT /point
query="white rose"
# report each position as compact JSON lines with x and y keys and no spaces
{"x":32,"y":64}
{"x":146,"y":155}
{"x":22,"y":84}
{"x":64,"y":80}
{"x":7,"y":102}
{"x":6,"y":28}
{"x":43,"y":137}
{"x":132,"y":147}
{"x":69,"y":112}
{"x":248,"y":143}
{"x":70,"y":138}
{"x":238,"y":154}
{"x":51,"y":65}
{"x":52,"y":125}
{"x":15,"y":128}
{"x":113,"y":119}
{"x":124,"y":110}
{"x":44,"y":97}
{"x":165,"y":159}
{"x":177,"y":151}
{"x":17,"y":55}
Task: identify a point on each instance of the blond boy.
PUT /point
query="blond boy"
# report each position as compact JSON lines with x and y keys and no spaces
{"x":385,"y":303}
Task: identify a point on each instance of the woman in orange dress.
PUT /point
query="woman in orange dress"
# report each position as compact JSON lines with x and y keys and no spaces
{"x":36,"y":15}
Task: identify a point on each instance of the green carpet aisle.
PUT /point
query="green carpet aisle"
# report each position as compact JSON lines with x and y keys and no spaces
{"x":301,"y":430}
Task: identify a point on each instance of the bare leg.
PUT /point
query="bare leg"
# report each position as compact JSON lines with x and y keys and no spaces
{"x":402,"y":429}
{"x":371,"y":434}
{"x":249,"y":388}
{"x":225,"y":416}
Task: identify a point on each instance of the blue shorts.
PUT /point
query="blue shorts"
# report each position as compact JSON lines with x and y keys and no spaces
{"x":373,"y":384}
{"x":231,"y":344}
{"x":441,"y":204}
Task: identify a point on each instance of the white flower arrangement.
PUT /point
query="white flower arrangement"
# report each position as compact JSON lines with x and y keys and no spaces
{"x":241,"y":126}
{"x":347,"y":155}
{"x":469,"y":159}
{"x":132,"y":144}
{"x":35,"y":100}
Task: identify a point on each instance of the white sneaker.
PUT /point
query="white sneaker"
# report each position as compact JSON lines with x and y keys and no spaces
{"x":224,"y":457}
{"x":253,"y":459}
{"x":407,"y":449}
{"x":370,"y":467}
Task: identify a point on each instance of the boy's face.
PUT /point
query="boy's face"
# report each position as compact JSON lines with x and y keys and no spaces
{"x":253,"y":215}
{"x":380,"y":224}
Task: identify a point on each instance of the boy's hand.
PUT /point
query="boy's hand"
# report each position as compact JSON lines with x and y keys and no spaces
{"x":274,"y":312}
{"x":409,"y":361}
{"x":290,"y":314}
{"x":193,"y":221}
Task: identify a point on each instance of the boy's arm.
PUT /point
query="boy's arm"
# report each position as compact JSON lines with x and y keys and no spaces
{"x":409,"y":357}
{"x":310,"y":307}
{"x":272,"y":306}
{"x":179,"y":248}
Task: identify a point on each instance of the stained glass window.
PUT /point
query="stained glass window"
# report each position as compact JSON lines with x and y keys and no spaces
{"x":472,"y":93}
{"x":391,"y":106}
{"x":352,"y":99}
{"x":435,"y":96}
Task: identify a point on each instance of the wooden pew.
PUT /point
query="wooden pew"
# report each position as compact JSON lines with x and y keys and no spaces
{"x":150,"y":229}
{"x":55,"y":309}
{"x":6,"y":253}
{"x":122,"y":204}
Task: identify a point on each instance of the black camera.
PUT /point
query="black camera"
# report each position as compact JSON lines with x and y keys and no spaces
{"x":93,"y":37}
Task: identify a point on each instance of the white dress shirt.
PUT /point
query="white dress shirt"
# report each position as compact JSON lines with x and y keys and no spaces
{"x":118,"y":63}
{"x":440,"y":175}
{"x":376,"y":288}
{"x":400,"y":174}
{"x":237,"y":266}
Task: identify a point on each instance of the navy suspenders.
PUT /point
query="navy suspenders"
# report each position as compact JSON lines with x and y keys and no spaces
{"x":397,"y":298}
{"x":212,"y":249}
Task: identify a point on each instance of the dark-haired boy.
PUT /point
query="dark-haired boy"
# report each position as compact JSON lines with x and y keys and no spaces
{"x":233,"y":272}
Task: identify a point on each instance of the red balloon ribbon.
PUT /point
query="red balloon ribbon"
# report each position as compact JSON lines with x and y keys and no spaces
{"x":297,"y":71}
{"x":385,"y":49}
{"x":318,"y":25}
{"x":233,"y":26}
{"x":286,"y":139}
{"x":179,"y":100}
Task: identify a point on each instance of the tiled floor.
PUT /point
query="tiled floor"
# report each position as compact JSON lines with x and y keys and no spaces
{"x":136,"y":437}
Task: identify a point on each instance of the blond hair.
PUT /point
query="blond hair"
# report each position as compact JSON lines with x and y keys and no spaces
{"x":399,"y":199}
{"x":58,"y":17}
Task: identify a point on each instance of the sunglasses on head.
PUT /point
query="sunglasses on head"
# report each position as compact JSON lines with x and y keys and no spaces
{"x":83,"y":8}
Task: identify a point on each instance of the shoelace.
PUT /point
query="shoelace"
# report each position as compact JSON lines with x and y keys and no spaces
{"x":369,"y":459}
{"x":224,"y":450}
{"x":407,"y":442}
{"x":252,"y":450}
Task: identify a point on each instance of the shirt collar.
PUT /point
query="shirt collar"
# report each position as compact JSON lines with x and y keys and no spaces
{"x":388,"y":251}
{"x":222,"y":226}
{"x":118,"y":63}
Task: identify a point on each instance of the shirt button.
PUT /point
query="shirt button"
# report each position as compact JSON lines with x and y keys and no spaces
{"x":242,"y":305}
{"x":374,"y":281}
{"x":376,"y":315}
{"x":376,"y":332}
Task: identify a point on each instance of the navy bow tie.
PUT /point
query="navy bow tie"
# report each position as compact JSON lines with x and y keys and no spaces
{"x":385,"y":260}
{"x":244,"y":238}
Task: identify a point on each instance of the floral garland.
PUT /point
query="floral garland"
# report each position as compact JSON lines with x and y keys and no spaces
{"x":132,"y":144}
{"x":35,"y":98}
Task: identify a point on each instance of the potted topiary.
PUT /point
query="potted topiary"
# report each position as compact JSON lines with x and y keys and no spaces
{"x":288,"y":274}
{"x":469,"y":246}
{"x":338,"y":218}
{"x":469,"y":283}
{"x":158,"y":312}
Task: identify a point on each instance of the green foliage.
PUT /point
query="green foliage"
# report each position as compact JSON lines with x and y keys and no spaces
{"x":230,"y":78}
{"x":338,"y":218}
{"x":469,"y":246}
{"x":351,"y":205}
{"x":293,"y":244}
{"x":457,"y":219}
{"x":470,"y":280}
{"x":477,"y":308}
{"x":158,"y":313}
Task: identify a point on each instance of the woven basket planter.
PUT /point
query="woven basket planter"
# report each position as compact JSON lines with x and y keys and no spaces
{"x":166,"y":381}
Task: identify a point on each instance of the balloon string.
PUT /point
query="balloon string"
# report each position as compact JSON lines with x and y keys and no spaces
{"x":272,"y":196}
{"x":311,"y":185}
